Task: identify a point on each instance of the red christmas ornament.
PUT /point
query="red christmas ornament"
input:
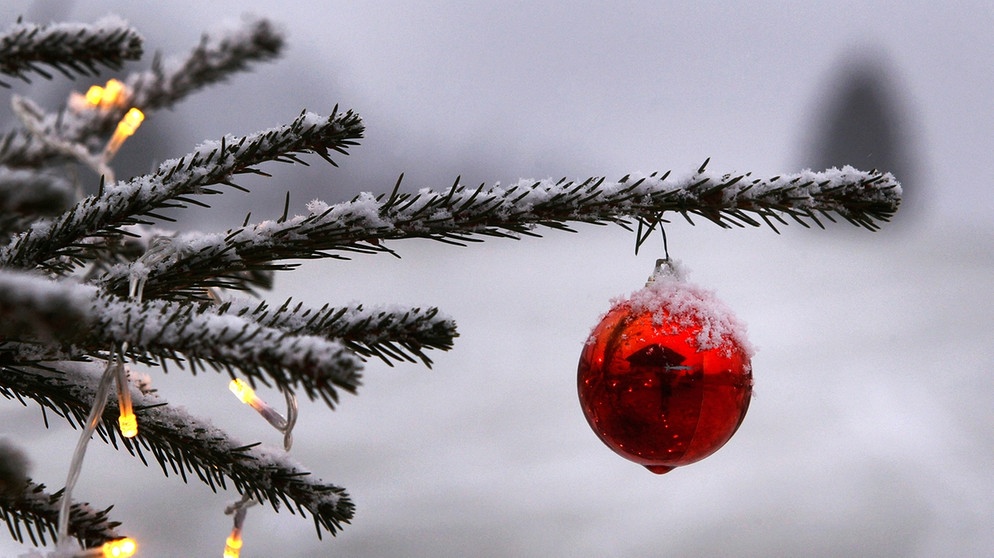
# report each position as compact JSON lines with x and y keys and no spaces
{"x":665,"y":378}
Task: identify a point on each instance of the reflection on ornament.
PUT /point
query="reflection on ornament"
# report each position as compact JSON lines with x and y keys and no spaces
{"x":665,"y":378}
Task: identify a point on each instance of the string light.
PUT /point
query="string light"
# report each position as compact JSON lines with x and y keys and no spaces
{"x":114,"y":370}
{"x":121,"y":548}
{"x":233,"y":544}
{"x":244,"y":392}
{"x":109,"y":99}
{"x":127,"y":421}
{"x":76,"y":464}
{"x":125,"y":129}
{"x":94,"y":95}
{"x":110,"y":95}
{"x":113,"y":95}
{"x":247,"y":395}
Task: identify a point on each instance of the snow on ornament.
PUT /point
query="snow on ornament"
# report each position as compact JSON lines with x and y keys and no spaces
{"x":665,"y":378}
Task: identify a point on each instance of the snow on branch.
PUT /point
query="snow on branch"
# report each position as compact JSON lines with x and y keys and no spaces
{"x":34,"y":511}
{"x":70,"y":48}
{"x":183,"y":444}
{"x":387,"y":332}
{"x":460,"y":214}
{"x":48,"y":320}
{"x":455,"y":215}
{"x":26,"y":195}
{"x":390,"y":333}
{"x":862,"y":198}
{"x":219,"y":55}
{"x":56,"y":244}
{"x":188,"y":261}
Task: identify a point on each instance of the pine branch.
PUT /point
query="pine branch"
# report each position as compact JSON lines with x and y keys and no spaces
{"x":182,"y":444}
{"x":57,"y":245}
{"x":25,"y":196}
{"x":70,"y":49}
{"x":390,"y":333}
{"x":49,"y":320}
{"x":185,"y":263}
{"x":862,"y":198}
{"x":35,"y":512}
{"x":461,"y":214}
{"x":219,"y":55}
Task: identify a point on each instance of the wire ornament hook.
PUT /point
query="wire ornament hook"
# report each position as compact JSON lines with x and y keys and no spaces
{"x":666,"y":249}
{"x":648,"y":226}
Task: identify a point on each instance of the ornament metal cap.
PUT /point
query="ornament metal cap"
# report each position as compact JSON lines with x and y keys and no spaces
{"x":665,"y":268}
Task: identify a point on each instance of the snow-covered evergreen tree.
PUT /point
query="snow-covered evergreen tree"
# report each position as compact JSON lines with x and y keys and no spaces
{"x":93,"y":287}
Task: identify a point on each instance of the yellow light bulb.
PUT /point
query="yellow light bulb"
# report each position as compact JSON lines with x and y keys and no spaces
{"x":233,"y":545}
{"x":94,"y":94}
{"x":112,"y":93}
{"x":243,"y":391}
{"x":130,"y":123}
{"x":121,"y":548}
{"x":125,"y":128}
{"x":128,"y":423}
{"x":247,"y":395}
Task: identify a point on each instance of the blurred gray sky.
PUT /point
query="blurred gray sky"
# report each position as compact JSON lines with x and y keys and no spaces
{"x":870,"y":433}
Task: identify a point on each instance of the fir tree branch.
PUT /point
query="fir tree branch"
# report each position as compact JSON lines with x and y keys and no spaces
{"x":56,"y":245}
{"x":25,"y":196}
{"x":182,"y":444}
{"x":35,"y":512}
{"x":461,"y":214}
{"x":184,"y":264}
{"x":862,"y":198}
{"x":219,"y":55}
{"x":49,"y":320}
{"x":389,"y":333}
{"x":71,"y":49}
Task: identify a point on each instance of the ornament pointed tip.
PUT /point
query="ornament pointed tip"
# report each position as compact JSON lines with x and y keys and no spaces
{"x":659,"y":469}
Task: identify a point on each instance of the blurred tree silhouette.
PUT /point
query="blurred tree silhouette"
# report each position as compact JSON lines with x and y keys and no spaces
{"x":863,"y":122}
